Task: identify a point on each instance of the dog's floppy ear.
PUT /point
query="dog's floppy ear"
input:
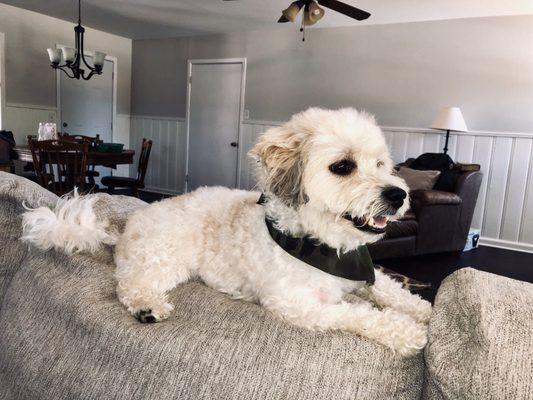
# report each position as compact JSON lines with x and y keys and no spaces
{"x":280,"y":153}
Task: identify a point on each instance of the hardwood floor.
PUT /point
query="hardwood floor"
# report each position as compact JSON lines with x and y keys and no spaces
{"x":150,"y":197}
{"x":434,"y":268}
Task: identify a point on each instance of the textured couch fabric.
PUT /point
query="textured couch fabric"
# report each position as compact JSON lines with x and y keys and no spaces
{"x":481,"y":339}
{"x":64,"y":335}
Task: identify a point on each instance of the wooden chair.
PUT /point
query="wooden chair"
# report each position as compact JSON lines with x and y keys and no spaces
{"x":93,"y":141}
{"x":133,"y":184}
{"x":60,"y":165}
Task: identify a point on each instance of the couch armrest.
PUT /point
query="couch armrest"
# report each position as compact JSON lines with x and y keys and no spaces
{"x":481,"y":322}
{"x":437,"y":213}
{"x":422,"y":198}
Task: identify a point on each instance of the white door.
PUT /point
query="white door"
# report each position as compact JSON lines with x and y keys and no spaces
{"x":215,"y":98}
{"x":86,"y":107}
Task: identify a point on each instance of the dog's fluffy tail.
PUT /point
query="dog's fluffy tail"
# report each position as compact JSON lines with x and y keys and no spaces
{"x":72,"y":226}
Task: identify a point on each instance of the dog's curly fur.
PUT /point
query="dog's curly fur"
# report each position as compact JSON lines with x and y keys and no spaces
{"x":219,"y":235}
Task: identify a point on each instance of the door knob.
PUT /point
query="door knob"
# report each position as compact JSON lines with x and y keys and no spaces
{"x":65,"y":124}
{"x":234,"y":144}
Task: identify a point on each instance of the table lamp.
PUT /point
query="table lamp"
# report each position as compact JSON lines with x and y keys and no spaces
{"x":449,"y":119}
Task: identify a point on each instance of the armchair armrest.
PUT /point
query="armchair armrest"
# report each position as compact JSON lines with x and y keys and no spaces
{"x":422,"y":198}
{"x":437,"y":213}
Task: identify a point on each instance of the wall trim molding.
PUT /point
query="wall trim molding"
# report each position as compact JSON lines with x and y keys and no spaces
{"x":177,"y":119}
{"x":261,"y":122}
{"x":528,"y":135}
{"x":506,"y":244}
{"x":32,"y":106}
{"x":469,"y":133}
{"x":50,"y":108}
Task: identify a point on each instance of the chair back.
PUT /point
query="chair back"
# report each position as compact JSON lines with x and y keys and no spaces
{"x":60,"y":165}
{"x":146,"y":147}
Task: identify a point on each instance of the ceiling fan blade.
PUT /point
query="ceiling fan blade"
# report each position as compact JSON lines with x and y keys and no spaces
{"x":345,"y":9}
{"x":283,"y":19}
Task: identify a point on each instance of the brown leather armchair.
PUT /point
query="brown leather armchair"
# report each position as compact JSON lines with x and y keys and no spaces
{"x":437,"y":222}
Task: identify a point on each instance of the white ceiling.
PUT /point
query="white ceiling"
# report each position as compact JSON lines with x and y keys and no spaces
{"x":143,"y":19}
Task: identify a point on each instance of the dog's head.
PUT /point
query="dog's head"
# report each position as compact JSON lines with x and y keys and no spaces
{"x":333,"y":166}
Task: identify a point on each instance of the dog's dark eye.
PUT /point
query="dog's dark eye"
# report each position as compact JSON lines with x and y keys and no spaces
{"x":343,"y":167}
{"x":380,"y":164}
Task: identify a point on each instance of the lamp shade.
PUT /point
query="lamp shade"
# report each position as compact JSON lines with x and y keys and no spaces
{"x":450,"y":118}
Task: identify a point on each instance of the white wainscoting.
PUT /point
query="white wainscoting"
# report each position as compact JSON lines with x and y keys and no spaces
{"x":166,"y":168}
{"x":504,"y":210}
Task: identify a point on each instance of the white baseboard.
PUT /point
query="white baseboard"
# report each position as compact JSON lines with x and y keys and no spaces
{"x":506,"y":244}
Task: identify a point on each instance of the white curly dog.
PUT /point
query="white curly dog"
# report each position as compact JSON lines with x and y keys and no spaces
{"x":325,"y":174}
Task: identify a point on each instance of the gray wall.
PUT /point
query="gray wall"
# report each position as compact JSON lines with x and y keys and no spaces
{"x":403,"y":73}
{"x":29,"y":78}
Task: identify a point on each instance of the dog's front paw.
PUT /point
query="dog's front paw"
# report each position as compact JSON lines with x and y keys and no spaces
{"x":153,"y":314}
{"x":410,"y":340}
{"x":424,"y":311}
{"x":147,"y":317}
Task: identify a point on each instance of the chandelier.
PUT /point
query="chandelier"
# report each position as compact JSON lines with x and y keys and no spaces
{"x":73,"y":58}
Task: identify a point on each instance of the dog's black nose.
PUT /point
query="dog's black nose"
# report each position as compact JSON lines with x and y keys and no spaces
{"x":394,"y":196}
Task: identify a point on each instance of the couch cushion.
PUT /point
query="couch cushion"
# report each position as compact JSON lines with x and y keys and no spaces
{"x":418,"y":180}
{"x":64,"y":335}
{"x":480,"y":339}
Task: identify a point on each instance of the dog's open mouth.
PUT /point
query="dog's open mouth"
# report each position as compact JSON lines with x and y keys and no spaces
{"x":375,"y":224}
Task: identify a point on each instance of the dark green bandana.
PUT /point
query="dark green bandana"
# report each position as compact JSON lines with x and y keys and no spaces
{"x":355,"y":265}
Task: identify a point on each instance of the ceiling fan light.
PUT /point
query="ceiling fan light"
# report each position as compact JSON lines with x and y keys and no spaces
{"x":291,"y":12}
{"x":313,"y":13}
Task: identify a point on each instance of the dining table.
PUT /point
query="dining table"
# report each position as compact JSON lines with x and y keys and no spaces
{"x":97,"y":158}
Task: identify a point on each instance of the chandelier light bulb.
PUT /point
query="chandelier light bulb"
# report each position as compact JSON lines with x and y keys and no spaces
{"x":69,"y":54}
{"x":99,"y":58}
{"x":55,"y":55}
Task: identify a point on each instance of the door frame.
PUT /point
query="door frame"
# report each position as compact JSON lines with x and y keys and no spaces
{"x":89,"y":53}
{"x":190,"y":63}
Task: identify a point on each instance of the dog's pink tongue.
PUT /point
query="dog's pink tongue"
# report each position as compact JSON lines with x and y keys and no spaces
{"x":380,"y":221}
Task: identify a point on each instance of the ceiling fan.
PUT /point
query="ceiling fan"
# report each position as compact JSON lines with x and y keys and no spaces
{"x":313,"y":12}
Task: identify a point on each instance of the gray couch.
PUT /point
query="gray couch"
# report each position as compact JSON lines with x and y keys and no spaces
{"x":63,"y":335}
